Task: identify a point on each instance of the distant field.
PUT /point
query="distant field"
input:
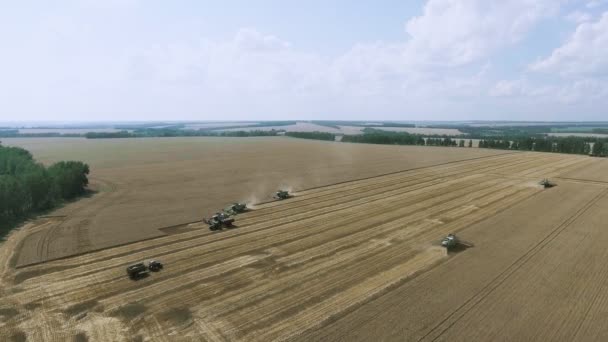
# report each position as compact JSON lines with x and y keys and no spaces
{"x":598,"y":135}
{"x":298,"y":127}
{"x":309,"y":127}
{"x":66,"y":130}
{"x":218,"y":124}
{"x":576,"y":129}
{"x":422,"y":130}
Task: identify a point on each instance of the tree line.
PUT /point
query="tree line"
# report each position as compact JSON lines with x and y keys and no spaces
{"x":518,"y":131}
{"x":173,"y":132}
{"x":14,"y":133}
{"x":28,"y":187}
{"x":375,"y":136}
{"x":312,"y":135}
{"x":572,"y":145}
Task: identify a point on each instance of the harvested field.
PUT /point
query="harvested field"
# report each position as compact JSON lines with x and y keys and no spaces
{"x":297,"y":127}
{"x":349,"y":261}
{"x":592,"y":135}
{"x":148,"y":184}
{"x":596,"y":172}
{"x":310,"y":127}
{"x":217,"y":124}
{"x":66,"y":130}
{"x":423,"y":130}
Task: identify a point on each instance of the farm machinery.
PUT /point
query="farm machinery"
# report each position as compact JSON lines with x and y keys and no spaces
{"x":140,"y":269}
{"x":219,"y":221}
{"x":545,"y":183}
{"x":236,"y":208}
{"x":452,"y":243}
{"x":155,"y":265}
{"x":281,"y":194}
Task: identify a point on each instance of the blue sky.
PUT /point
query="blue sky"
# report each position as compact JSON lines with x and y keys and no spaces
{"x":233,"y":60}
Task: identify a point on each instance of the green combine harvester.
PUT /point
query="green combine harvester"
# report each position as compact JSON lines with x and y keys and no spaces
{"x":219,"y":221}
{"x":140,"y":269}
{"x":281,"y":194}
{"x":545,"y":183}
{"x":236,"y":208}
{"x":450,"y":241}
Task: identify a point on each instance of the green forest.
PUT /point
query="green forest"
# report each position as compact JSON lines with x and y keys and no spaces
{"x":173,"y":132}
{"x":28,"y":187}
{"x":312,"y":135}
{"x":571,"y":145}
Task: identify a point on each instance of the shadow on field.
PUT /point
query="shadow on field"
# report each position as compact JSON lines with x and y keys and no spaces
{"x":130,"y":311}
{"x":460,"y":247}
{"x":140,"y":276}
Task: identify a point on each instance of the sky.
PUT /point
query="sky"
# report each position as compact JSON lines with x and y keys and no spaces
{"x":135,"y":60}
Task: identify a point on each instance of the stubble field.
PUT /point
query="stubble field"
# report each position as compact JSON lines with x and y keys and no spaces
{"x":147,"y":185}
{"x":350,"y":260}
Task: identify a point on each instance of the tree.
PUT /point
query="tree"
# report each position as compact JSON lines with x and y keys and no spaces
{"x":470,"y":143}
{"x":71,"y":177}
{"x":598,"y":149}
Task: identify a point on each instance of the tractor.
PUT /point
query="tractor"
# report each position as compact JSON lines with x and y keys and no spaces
{"x":219,"y":221}
{"x":155,"y":265}
{"x":281,"y":194}
{"x":545,"y":183}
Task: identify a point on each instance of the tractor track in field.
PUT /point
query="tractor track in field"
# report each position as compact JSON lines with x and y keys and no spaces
{"x":278,"y":215}
{"x":293,"y":206}
{"x":470,"y":303}
{"x":284,"y":237}
{"x":291,"y":266}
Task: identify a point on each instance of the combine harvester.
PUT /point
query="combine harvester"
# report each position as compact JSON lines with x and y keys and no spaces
{"x":236,"y":208}
{"x":219,"y":221}
{"x":545,"y":183}
{"x":140,"y":269}
{"x":281,"y":195}
{"x":452,"y":243}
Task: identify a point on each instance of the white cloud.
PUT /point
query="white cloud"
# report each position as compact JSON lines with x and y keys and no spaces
{"x":250,"y":60}
{"x":506,"y":88}
{"x":584,"y":53}
{"x":584,"y":91}
{"x":440,"y":68}
{"x":250,"y":39}
{"x":455,"y":32}
{"x":579,"y":17}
